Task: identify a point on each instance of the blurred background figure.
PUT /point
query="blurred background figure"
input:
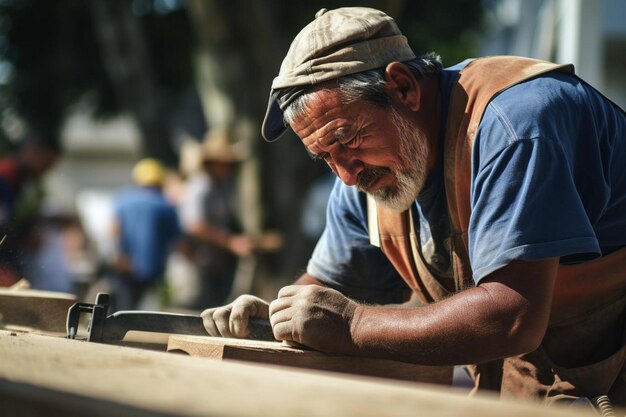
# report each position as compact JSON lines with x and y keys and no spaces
{"x":61,"y":260}
{"x":210,"y":215}
{"x":145,"y":229}
{"x":21,"y":197}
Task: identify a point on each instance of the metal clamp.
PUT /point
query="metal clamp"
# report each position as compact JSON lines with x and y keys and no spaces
{"x":103,"y":328}
{"x":98,"y":312}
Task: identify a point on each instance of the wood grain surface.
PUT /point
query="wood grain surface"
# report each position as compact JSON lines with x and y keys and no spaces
{"x":277,"y":353}
{"x":35,"y":309}
{"x":53,"y":376}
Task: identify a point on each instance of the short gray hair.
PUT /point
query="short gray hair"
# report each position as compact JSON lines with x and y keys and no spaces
{"x":367,"y":85}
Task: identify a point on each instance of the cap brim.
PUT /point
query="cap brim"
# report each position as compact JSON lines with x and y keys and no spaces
{"x":273,"y":123}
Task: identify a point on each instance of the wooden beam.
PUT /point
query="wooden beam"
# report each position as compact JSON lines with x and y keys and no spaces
{"x":159,"y":383}
{"x":276,"y":353}
{"x":35,"y":309}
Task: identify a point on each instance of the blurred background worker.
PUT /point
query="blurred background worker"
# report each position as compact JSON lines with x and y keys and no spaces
{"x":21,"y":195}
{"x":145,"y":227}
{"x":210,"y":214}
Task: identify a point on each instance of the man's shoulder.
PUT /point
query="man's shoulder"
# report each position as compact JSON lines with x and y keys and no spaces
{"x":542,"y":91}
{"x":133,"y":195}
{"x":534,"y":108}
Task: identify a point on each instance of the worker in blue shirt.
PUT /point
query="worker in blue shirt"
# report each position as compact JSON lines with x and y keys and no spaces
{"x":146,"y":228}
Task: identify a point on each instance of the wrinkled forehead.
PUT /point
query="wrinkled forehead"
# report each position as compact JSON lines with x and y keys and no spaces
{"x":309,"y":95}
{"x":325,"y":113}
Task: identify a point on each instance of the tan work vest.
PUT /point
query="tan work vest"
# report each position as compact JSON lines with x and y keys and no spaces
{"x":480,"y":81}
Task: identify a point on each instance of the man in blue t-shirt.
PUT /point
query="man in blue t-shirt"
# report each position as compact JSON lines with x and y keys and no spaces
{"x":546,"y":199}
{"x":146,"y":228}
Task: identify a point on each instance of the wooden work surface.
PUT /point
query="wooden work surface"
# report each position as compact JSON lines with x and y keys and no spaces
{"x":277,"y":353}
{"x":35,"y":309}
{"x":52,"y":377}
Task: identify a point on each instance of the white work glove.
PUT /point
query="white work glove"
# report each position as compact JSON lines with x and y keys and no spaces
{"x":232,"y":320}
{"x":315,"y":316}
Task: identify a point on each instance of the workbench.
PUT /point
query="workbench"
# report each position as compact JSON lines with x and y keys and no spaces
{"x":52,"y":376}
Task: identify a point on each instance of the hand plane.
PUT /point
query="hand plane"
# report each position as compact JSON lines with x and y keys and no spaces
{"x":105,"y":328}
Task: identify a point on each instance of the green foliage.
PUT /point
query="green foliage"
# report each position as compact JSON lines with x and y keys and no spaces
{"x":449,"y":27}
{"x":56,"y":58}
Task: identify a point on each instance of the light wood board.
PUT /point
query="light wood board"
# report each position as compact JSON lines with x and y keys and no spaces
{"x":99,"y":380}
{"x":277,"y":353}
{"x":35,"y":309}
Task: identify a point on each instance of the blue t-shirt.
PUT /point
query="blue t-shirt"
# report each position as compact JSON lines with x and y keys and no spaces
{"x":548,"y":180}
{"x":149,"y":225}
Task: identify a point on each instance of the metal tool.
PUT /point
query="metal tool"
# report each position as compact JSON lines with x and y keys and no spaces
{"x":103,"y":328}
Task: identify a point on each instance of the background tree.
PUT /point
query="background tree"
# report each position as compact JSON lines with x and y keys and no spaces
{"x":150,"y":58}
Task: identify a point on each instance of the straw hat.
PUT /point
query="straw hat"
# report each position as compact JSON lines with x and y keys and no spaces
{"x":217,"y":147}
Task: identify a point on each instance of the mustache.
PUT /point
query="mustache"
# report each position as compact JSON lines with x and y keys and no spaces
{"x":368,"y":176}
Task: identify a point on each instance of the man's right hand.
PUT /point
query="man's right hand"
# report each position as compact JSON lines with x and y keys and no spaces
{"x":232,"y":320}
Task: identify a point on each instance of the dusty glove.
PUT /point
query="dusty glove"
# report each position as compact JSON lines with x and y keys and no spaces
{"x":232,"y":320}
{"x":315,"y":316}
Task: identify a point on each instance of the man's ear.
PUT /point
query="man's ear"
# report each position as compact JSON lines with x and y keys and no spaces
{"x":402,"y":86}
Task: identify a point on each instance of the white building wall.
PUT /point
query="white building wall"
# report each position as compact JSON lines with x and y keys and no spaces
{"x":591,"y":34}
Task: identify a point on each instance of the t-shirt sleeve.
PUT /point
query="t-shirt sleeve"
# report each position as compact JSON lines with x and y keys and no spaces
{"x":525,"y":205}
{"x":345,"y":260}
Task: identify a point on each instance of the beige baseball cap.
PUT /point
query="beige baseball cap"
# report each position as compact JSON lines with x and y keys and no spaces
{"x":337,"y":43}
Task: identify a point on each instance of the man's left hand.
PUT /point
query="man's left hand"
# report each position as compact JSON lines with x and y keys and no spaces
{"x":314,"y":316}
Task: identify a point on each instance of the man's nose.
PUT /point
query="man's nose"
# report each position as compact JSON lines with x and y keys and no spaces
{"x":347,"y":169}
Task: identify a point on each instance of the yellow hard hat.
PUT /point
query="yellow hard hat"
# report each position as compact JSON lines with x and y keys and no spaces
{"x":149,"y":172}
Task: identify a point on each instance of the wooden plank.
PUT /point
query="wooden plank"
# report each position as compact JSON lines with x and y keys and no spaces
{"x":35,"y":309}
{"x":159,"y":383}
{"x":276,"y":353}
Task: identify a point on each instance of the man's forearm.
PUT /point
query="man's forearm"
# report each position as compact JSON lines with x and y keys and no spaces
{"x":497,"y":319}
{"x":507,"y":314}
{"x":454,"y":331}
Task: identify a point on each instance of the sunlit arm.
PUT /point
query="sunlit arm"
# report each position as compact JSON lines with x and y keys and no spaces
{"x":507,"y":314}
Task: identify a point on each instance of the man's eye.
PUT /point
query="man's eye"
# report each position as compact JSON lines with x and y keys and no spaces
{"x":352,"y":141}
{"x":320,"y":157}
{"x":325,"y":157}
{"x":343,"y":136}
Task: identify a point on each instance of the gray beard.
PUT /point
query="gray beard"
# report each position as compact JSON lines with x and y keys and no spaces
{"x":409,"y":181}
